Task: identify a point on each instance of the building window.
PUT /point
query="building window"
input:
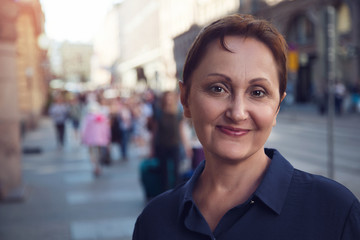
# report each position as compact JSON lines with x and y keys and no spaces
{"x":301,"y":31}
{"x":141,"y":74}
{"x":344,"y":19}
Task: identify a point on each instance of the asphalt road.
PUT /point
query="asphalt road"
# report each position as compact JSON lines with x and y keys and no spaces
{"x":302,"y":137}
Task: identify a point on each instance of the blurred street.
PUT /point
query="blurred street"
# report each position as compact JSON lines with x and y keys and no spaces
{"x":117,"y":70}
{"x":63,"y":198}
{"x":65,"y":201}
{"x":301,"y":137}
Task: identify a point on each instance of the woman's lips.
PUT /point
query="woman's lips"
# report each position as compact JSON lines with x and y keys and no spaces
{"x":233,"y":131}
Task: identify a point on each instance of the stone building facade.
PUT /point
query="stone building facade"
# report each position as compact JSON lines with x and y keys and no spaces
{"x":154,"y":36}
{"x":75,"y":59}
{"x":22,"y":86}
{"x":304,"y":25}
{"x":146,"y":33}
{"x":30,"y":64}
{"x":10,"y":170}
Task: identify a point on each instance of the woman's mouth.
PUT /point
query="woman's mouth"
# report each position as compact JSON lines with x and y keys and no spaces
{"x":231,"y":131}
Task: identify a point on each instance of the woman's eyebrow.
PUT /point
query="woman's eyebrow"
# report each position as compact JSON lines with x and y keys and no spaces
{"x":219,"y":75}
{"x":256,"y":80}
{"x":252,"y":81}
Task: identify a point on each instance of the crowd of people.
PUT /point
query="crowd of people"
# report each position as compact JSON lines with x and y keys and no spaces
{"x":145,"y":119}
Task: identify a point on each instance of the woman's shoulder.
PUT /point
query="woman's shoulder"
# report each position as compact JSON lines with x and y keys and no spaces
{"x":165,"y":205}
{"x":322,"y":188}
{"x":160,"y":218}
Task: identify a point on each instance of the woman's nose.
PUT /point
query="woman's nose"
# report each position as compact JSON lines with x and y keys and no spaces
{"x":237,"y":110}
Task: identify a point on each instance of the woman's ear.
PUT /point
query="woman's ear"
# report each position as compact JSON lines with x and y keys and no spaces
{"x":283,"y":97}
{"x":278,"y":110}
{"x":184,"y":100}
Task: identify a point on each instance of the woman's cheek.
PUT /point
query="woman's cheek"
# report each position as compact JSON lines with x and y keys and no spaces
{"x":264,"y":117}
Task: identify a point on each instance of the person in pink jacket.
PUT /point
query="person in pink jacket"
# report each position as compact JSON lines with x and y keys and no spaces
{"x":95,"y":133}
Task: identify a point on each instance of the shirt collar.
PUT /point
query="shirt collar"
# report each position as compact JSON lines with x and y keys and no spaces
{"x":189,"y":186}
{"x":272,"y":191}
{"x":275,"y":184}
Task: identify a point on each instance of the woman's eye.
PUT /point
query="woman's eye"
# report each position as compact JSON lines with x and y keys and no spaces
{"x":258,"y":93}
{"x":217,"y":89}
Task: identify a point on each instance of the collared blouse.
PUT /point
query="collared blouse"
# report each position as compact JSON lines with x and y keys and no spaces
{"x":288,"y":204}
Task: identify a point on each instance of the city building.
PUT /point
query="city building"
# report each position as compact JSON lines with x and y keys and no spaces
{"x":144,"y":31}
{"x":150,"y":40}
{"x":24,"y":81}
{"x":107,"y":49}
{"x":305,"y":25}
{"x":70,"y":66}
{"x":31,"y":62}
{"x":204,"y":11}
{"x":10,"y":158}
{"x":75,"y":64}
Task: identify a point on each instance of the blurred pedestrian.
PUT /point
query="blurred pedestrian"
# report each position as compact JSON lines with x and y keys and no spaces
{"x":95,"y":132}
{"x":75,"y":113}
{"x":114,"y":122}
{"x":126,"y":127}
{"x":58,"y":111}
{"x":121,"y":125}
{"x":168,"y":138}
{"x":339,"y":92}
{"x":141,"y":112}
{"x":355,"y":98}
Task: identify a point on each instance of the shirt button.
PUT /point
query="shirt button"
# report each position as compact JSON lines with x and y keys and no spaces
{"x":252,"y":202}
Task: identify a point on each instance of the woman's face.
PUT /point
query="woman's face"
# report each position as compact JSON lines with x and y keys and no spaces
{"x":234,"y":98}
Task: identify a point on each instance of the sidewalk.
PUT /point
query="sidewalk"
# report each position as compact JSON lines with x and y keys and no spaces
{"x":309,"y":112}
{"x":65,"y":201}
{"x":305,"y":120}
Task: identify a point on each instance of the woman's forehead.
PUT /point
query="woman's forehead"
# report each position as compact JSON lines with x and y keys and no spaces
{"x":239,"y":51}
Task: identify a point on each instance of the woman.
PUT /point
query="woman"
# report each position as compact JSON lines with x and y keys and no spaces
{"x":233,"y":83}
{"x":96,"y":132}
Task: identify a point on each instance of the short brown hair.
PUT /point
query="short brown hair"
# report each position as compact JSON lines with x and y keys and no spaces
{"x":239,"y":25}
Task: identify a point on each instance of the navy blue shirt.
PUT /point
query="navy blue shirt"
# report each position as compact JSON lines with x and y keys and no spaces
{"x":289,"y":204}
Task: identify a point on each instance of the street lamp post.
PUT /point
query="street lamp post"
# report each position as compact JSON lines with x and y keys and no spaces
{"x":330,"y":72}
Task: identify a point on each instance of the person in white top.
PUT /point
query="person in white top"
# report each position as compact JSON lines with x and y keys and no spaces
{"x":58,"y":111}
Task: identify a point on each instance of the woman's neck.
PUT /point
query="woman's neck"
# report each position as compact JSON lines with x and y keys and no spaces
{"x":234,"y":183}
{"x":240,"y":178}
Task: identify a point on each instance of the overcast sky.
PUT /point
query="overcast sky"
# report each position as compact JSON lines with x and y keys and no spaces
{"x":74,"y":20}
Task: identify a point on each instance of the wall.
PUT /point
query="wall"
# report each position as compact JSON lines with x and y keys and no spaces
{"x":10,"y":170}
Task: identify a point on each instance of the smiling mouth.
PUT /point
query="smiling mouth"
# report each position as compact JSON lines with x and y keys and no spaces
{"x":232,"y":131}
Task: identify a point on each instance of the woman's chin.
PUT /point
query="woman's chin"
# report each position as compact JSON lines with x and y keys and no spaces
{"x":230,"y":156}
